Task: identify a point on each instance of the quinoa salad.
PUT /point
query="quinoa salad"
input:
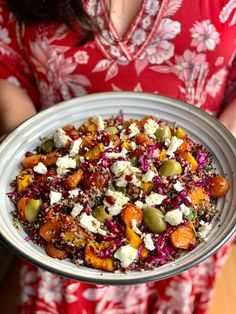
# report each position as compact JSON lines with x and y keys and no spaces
{"x":117,"y":195}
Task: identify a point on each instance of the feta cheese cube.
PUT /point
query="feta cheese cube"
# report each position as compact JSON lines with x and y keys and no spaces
{"x":139,"y":204}
{"x":120,"y":201}
{"x":76,"y":210}
{"x":40,"y":168}
{"x":134,"y":226}
{"x":178,"y":187}
{"x":204,"y":230}
{"x":154,"y":199}
{"x":98,"y":120}
{"x":174,"y":217}
{"x":116,"y":155}
{"x":91,"y":224}
{"x":184,"y":209}
{"x":74,"y":147}
{"x":126,"y":254}
{"x":60,"y":138}
{"x":120,"y":167}
{"x":55,"y":197}
{"x":148,"y":176}
{"x":73,"y":193}
{"x":175,"y":143}
{"x":134,"y":130}
{"x":148,"y":242}
{"x":64,"y":163}
{"x":150,"y":127}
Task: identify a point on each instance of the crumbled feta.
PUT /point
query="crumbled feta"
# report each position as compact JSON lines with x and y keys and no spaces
{"x":73,"y":193}
{"x":154,"y":199}
{"x":148,"y":176}
{"x":148,"y":242}
{"x":74,"y":147}
{"x":126,"y":254}
{"x":178,"y":187}
{"x":135,"y":181}
{"x":150,"y":127}
{"x":139,"y":204}
{"x":204,"y":229}
{"x":134,"y":130}
{"x":60,"y":138}
{"x":117,"y":155}
{"x":120,"y":167}
{"x":133,"y":145}
{"x":174,"y":217}
{"x":76,"y":210}
{"x":175,"y":143}
{"x":98,"y":120}
{"x":121,"y":182}
{"x":91,"y":224}
{"x":64,"y":163}
{"x":184,"y":209}
{"x":40,"y":168}
{"x":55,"y":197}
{"x":134,"y":226}
{"x":120,"y":200}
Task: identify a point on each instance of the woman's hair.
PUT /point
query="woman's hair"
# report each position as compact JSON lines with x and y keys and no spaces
{"x":67,"y":11}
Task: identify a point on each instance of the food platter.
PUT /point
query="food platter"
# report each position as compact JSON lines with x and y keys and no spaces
{"x":200,"y":126}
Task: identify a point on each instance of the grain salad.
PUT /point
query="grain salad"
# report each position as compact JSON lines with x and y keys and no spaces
{"x":116,"y":194}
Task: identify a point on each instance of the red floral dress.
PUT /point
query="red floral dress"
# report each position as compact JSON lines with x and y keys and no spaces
{"x":180,"y":48}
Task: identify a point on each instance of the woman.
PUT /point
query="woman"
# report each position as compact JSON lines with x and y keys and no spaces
{"x":56,"y":50}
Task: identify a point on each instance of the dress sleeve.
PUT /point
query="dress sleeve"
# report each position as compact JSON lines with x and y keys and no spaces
{"x":13,"y":61}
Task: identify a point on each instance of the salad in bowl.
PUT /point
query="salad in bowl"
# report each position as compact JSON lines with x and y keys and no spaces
{"x":118,"y":195}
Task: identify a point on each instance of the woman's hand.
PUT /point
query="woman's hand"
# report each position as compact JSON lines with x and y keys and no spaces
{"x":228,"y":117}
{"x":15,"y":107}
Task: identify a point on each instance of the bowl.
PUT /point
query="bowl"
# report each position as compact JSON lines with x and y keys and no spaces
{"x":200,"y":126}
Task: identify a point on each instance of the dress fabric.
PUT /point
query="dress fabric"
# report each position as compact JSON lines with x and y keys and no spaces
{"x":178,"y":48}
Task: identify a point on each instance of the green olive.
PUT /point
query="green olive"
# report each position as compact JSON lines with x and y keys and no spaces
{"x":111,"y":130}
{"x":32,"y":209}
{"x":154,"y":219}
{"x":170,"y":168}
{"x":163,"y":132}
{"x":47,"y":146}
{"x":101,"y":214}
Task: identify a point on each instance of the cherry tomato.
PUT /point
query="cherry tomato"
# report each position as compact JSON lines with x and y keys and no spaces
{"x":219,"y":186}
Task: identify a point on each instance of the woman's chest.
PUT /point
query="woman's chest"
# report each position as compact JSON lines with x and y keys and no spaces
{"x":179,"y":48}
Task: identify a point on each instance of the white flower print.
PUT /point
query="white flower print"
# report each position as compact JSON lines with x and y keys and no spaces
{"x":139,"y":36}
{"x":146,"y":22}
{"x":4,"y":36}
{"x":115,"y":51}
{"x":161,"y":49}
{"x":50,"y":287}
{"x":216,"y":81}
{"x":204,"y":36}
{"x":27,"y":280}
{"x":152,"y":6}
{"x":188,"y":65}
{"x":70,"y":289}
{"x":219,"y":61}
{"x":93,"y":7}
{"x":226,"y":12}
{"x":81,"y":57}
{"x":180,"y":300}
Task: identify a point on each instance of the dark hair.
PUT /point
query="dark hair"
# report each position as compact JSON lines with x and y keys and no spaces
{"x":67,"y":11}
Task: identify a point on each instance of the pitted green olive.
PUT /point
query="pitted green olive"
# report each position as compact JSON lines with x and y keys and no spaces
{"x":170,"y":168}
{"x":111,"y":130}
{"x":154,"y":219}
{"x":32,"y":209}
{"x":163,"y":132}
{"x":47,"y":146}
{"x":101,"y":214}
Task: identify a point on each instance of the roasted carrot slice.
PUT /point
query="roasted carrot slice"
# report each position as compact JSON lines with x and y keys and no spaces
{"x":130,"y":212}
{"x":24,"y":179}
{"x":219,"y":186}
{"x":142,"y":139}
{"x":134,"y":240}
{"x":48,"y":230}
{"x":183,"y":237}
{"x":184,"y":147}
{"x":199,"y":196}
{"x":190,"y":159}
{"x":50,"y":159}
{"x":91,"y":258}
{"x":21,"y":205}
{"x":54,"y":252}
{"x":31,"y":161}
{"x":73,"y":180}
